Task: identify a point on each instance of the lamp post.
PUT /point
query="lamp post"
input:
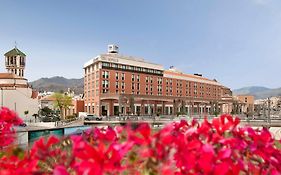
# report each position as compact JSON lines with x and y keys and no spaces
{"x":268,"y":107}
{"x":2,"y":97}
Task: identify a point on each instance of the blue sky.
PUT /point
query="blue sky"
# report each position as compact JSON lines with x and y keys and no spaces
{"x":238,"y":42}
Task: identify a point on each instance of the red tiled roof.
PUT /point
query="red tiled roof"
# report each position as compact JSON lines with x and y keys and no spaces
{"x":48,"y":98}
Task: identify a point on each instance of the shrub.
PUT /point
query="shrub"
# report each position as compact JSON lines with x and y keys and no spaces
{"x":217,"y":147}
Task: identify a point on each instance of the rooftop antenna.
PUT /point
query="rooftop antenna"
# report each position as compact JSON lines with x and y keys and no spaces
{"x":16,"y":44}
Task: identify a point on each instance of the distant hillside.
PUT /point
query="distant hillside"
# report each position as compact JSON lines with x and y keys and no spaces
{"x":58,"y":84}
{"x":258,"y":91}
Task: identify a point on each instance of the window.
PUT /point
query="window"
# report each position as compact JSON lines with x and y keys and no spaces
{"x":105,"y":64}
{"x":114,"y":65}
{"x":105,"y":83}
{"x":195,"y":92}
{"x":159,"y":80}
{"x":146,"y":79}
{"x":195,"y":85}
{"x":105,"y":74}
{"x":123,"y":85}
{"x":123,"y":76}
{"x":133,"y":85}
{"x":133,"y":77}
{"x":138,"y":86}
{"x":138,"y":77}
{"x":116,"y":75}
{"x":151,"y":79}
{"x":159,"y":88}
{"x":116,"y":85}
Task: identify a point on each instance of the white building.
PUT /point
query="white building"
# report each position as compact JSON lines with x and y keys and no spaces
{"x":47,"y":101}
{"x":15,"y":93}
{"x":275,"y":102}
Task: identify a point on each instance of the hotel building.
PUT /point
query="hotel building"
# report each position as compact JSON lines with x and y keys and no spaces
{"x":123,"y":85}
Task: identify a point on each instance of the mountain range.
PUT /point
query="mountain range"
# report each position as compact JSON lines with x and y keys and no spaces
{"x":258,"y":92}
{"x":58,"y":84}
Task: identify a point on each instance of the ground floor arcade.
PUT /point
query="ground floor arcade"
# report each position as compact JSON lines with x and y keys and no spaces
{"x":155,"y":105}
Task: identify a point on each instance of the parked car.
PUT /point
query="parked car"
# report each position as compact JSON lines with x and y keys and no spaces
{"x":90,"y":117}
{"x":23,"y":125}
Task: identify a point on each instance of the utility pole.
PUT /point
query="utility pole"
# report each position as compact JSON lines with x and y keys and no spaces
{"x":268,"y":107}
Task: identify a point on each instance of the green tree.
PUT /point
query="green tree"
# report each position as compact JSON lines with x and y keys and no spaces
{"x":46,"y":111}
{"x":62,"y":102}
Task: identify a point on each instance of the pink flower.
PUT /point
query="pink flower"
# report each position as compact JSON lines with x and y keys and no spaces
{"x":216,"y":147}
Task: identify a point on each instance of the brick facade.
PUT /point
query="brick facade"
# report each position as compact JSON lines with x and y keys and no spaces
{"x":116,"y":85}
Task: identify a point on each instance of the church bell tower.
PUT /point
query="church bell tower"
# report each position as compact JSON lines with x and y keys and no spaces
{"x":15,"y":62}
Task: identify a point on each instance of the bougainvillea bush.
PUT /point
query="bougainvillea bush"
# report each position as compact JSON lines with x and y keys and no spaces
{"x":216,"y":147}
